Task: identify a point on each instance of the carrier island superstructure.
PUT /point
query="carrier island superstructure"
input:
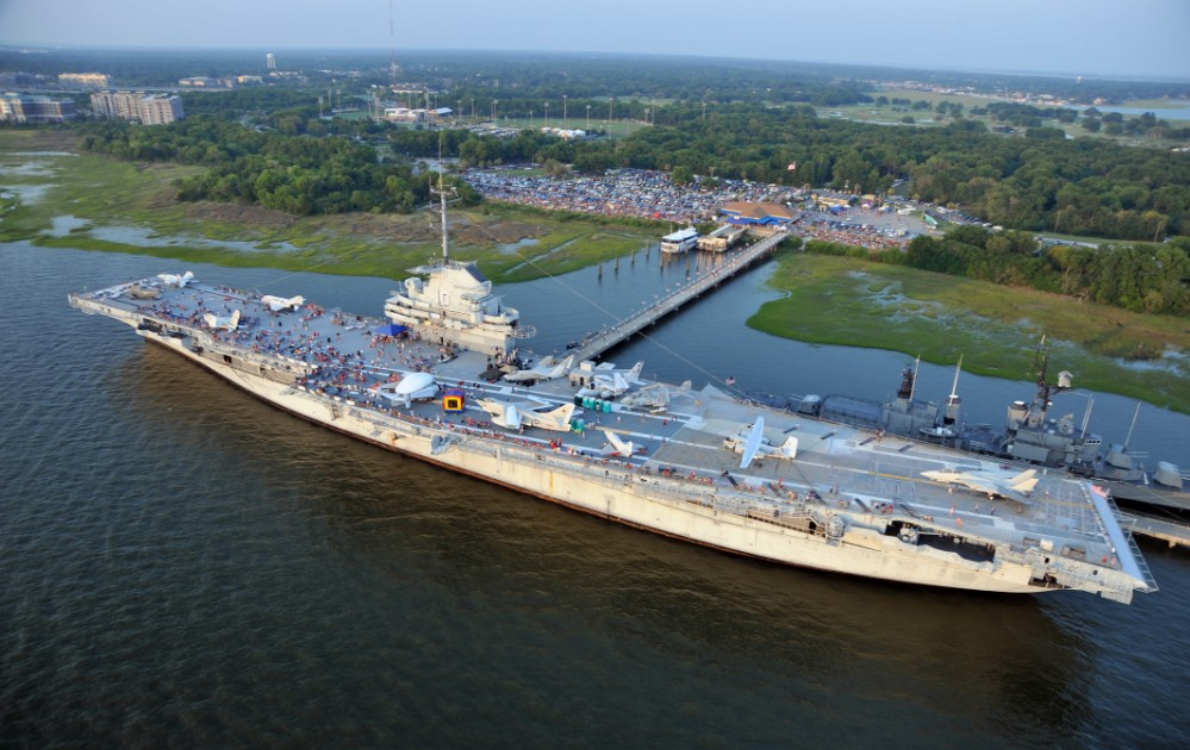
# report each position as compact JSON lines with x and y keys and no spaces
{"x":695,"y":465}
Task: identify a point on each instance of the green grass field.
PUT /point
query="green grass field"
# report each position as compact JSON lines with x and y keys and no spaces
{"x":996,"y":329}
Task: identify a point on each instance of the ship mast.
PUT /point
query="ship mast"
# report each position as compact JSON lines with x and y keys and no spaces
{"x":442,"y":195}
{"x":1041,"y":397}
{"x":441,"y":191}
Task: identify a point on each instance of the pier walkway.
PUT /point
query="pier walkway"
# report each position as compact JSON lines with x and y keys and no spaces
{"x":595,"y":344}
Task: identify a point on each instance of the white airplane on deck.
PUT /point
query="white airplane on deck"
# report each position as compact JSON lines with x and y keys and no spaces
{"x":280,"y":304}
{"x":627,"y":450}
{"x":993,"y":484}
{"x":753,"y":443}
{"x":415,"y":385}
{"x":528,"y":413}
{"x":222,"y":322}
{"x":605,"y":381}
{"x":171,"y":279}
{"x":547,"y":369}
{"x":654,"y":397}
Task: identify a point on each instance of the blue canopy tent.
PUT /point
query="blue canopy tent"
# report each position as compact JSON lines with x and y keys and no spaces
{"x":392,"y":329}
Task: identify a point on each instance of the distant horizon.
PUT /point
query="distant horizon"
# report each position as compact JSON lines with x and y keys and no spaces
{"x":1102,"y":38}
{"x":32,"y":48}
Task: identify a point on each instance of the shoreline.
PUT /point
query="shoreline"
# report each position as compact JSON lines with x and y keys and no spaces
{"x":846,"y":302}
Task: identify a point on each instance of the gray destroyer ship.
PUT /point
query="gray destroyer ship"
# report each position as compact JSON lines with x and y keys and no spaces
{"x":1157,"y":498}
{"x":436,"y":379}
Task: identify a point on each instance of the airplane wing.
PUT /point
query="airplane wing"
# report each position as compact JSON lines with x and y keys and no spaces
{"x":753,"y":442}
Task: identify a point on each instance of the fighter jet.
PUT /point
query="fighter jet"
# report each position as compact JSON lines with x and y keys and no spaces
{"x":993,"y":484}
{"x":222,"y":322}
{"x":415,"y":385}
{"x":175,"y":280}
{"x":547,"y":369}
{"x":280,"y":304}
{"x":528,"y":413}
{"x":752,"y":443}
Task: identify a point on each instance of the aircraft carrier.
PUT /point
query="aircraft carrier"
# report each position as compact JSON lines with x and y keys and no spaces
{"x":437,"y":379}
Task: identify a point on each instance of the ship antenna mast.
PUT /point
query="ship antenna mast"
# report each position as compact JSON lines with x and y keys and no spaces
{"x":442,"y":196}
{"x":916,"y":370}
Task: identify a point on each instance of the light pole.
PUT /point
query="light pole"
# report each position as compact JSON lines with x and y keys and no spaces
{"x":588,"y":117}
{"x":547,"y":114}
{"x":564,"y":123}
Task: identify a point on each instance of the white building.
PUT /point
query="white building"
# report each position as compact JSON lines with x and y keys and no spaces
{"x":137,"y":106}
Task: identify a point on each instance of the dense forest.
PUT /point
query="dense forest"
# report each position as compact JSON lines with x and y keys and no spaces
{"x":299,"y":175}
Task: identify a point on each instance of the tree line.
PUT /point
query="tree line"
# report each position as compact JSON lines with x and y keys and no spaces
{"x":1139,"y":278}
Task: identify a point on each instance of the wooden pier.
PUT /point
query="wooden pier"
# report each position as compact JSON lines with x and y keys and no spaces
{"x":595,"y":344}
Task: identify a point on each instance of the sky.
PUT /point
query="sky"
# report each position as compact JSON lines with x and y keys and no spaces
{"x":1126,"y":38}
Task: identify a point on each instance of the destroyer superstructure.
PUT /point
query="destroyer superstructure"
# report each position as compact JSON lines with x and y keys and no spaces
{"x":665,"y":459}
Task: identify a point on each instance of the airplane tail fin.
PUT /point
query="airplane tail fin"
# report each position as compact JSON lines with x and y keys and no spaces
{"x":633,"y":375}
{"x":512,"y":417}
{"x":562,"y":413}
{"x":235,"y":319}
{"x":789,"y":447}
{"x":562,"y":368}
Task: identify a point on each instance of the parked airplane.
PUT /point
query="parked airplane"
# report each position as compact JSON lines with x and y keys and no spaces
{"x":222,"y":322}
{"x":753,"y":443}
{"x":654,"y":397}
{"x":279,"y":304}
{"x":175,"y":280}
{"x":605,"y":381}
{"x":627,"y":450}
{"x":415,"y":385}
{"x":995,"y":485}
{"x":547,"y":369}
{"x":528,"y":413}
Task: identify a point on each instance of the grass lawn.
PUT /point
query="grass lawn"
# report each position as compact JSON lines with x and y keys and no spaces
{"x":996,"y":329}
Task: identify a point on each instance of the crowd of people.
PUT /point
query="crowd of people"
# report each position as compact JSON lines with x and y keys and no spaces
{"x":853,"y":232}
{"x":652,"y":195}
{"x":625,"y":192}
